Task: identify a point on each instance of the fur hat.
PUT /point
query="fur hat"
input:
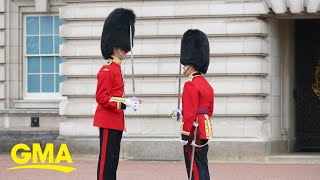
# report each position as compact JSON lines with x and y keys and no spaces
{"x":195,"y":50}
{"x":116,"y":31}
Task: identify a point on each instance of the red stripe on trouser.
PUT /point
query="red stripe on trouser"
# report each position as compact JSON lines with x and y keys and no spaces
{"x":194,"y":166}
{"x":103,"y":153}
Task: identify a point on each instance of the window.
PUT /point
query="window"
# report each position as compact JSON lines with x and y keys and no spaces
{"x":42,"y":57}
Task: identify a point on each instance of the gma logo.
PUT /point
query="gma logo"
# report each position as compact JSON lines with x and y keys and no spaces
{"x":37,"y":154}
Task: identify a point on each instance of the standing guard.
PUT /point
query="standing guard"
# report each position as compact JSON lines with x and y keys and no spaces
{"x":109,"y":115}
{"x":197,"y":104}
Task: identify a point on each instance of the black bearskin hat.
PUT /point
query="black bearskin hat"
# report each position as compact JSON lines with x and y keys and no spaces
{"x":116,"y":31}
{"x":195,"y":50}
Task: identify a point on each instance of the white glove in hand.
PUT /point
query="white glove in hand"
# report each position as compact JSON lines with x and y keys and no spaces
{"x":176,"y":113}
{"x":183,"y":142}
{"x":133,"y":102}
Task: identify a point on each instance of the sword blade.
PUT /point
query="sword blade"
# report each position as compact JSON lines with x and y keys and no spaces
{"x":179,"y":92}
{"x":132,"y":67}
{"x":193,"y":150}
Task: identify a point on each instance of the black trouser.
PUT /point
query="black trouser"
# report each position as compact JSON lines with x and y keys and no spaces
{"x":109,"y":154}
{"x":200,"y":169}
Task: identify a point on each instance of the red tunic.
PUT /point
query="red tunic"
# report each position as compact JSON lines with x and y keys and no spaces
{"x":197,"y":101}
{"x":109,"y":96}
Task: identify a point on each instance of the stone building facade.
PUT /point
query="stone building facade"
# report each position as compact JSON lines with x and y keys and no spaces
{"x":252,"y":71}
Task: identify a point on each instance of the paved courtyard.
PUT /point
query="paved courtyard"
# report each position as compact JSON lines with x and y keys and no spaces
{"x":160,"y":170}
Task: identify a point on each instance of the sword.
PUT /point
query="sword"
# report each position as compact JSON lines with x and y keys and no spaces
{"x":193,"y":144}
{"x":179,"y":93}
{"x":132,"y":68}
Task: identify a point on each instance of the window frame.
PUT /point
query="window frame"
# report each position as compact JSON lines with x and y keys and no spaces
{"x":39,"y":95}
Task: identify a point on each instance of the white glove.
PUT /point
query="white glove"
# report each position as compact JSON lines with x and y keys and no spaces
{"x":183,"y":142}
{"x":176,"y":113}
{"x":133,"y":102}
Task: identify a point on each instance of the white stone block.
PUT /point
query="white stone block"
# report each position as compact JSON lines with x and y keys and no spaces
{"x":157,"y":11}
{"x":312,"y":6}
{"x":198,"y":9}
{"x":276,"y":128}
{"x":252,"y":46}
{"x":146,"y":28}
{"x":85,"y":87}
{"x":15,"y":41}
{"x":225,"y":85}
{"x":252,"y":128}
{"x":164,"y":106}
{"x":296,"y":6}
{"x":13,"y":68}
{"x":67,"y":50}
{"x":225,"y":47}
{"x":67,"y":12}
{"x":66,"y":128}
{"x":77,"y":107}
{"x":2,"y":91}
{"x":76,"y":68}
{"x":2,"y":73}
{"x":76,"y":30}
{"x":228,"y":128}
{"x":275,"y":105}
{"x":253,"y":86}
{"x":68,"y":87}
{"x":2,"y":6}
{"x":225,"y":8}
{"x":255,"y":8}
{"x":171,"y":27}
{"x":164,"y":86}
{"x":41,"y":5}
{"x":85,"y":128}
{"x":159,"y":46}
{"x":14,"y":89}
{"x":2,"y":22}
{"x":266,"y":107}
{"x":220,"y":106}
{"x":166,"y":66}
{"x":210,"y":27}
{"x":275,"y":47}
{"x":275,"y":66}
{"x":276,"y":85}
{"x":164,"y":9}
{"x":75,"y":127}
{"x":243,"y":106}
{"x":249,"y":66}
{"x":244,"y":27}
{"x":14,"y":19}
{"x":159,"y":127}
{"x":2,"y":106}
{"x":133,"y":126}
{"x":218,"y":66}
{"x":2,"y":38}
{"x":164,"y":46}
{"x":278,"y":6}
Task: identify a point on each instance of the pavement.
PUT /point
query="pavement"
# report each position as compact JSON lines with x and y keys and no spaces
{"x":170,"y":170}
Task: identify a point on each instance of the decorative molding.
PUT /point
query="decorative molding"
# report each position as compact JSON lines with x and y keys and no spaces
{"x":42,"y":5}
{"x":292,"y":6}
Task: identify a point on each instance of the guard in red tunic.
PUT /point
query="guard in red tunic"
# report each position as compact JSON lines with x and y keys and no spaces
{"x":197,"y":102}
{"x":109,"y":116}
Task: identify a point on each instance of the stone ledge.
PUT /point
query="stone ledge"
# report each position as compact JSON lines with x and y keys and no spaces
{"x":8,"y":139}
{"x":171,"y":149}
{"x":30,"y":111}
{"x":36,"y":104}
